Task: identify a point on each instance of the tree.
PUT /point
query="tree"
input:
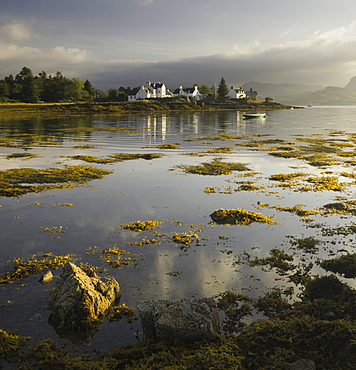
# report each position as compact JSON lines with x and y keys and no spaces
{"x":113,"y":95}
{"x":4,"y":90}
{"x":30,"y":91}
{"x":88,"y":87}
{"x":75,"y":89}
{"x":205,"y":90}
{"x":222,"y":89}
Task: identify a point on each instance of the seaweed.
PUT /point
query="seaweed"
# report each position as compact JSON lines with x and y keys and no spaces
{"x":19,"y":181}
{"x":32,"y":265}
{"x":139,"y":226}
{"x":117,"y":157}
{"x":215,"y":168}
{"x":344,"y":265}
{"x":239,"y":217}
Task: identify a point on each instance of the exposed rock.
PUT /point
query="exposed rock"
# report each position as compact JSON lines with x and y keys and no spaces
{"x":186,"y":319}
{"x":303,"y":364}
{"x":80,"y":298}
{"x":46,"y":277}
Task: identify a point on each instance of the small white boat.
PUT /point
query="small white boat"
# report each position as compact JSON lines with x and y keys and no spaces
{"x":255,"y":115}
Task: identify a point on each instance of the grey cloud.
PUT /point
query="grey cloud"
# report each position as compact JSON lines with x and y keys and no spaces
{"x":317,"y":62}
{"x":325,"y":59}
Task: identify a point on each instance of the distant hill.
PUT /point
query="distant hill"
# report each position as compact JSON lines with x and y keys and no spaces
{"x":283,"y":93}
{"x":306,"y":94}
{"x":352,"y":84}
{"x":333,"y":95}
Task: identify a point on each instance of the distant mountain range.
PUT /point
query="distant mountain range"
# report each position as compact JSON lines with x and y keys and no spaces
{"x":306,"y":94}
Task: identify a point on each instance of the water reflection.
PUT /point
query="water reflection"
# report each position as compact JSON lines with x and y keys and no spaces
{"x":155,"y":189}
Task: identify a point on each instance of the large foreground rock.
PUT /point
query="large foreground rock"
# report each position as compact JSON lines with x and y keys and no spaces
{"x":80,"y":298}
{"x":183,"y":320}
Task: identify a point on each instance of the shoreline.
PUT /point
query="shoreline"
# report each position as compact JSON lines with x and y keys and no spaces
{"x":142,"y":106}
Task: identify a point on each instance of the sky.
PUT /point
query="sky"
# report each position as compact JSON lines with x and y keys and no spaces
{"x":117,"y":43}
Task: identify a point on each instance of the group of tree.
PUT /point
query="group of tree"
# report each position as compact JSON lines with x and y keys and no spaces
{"x":25,"y":87}
{"x":115,"y":95}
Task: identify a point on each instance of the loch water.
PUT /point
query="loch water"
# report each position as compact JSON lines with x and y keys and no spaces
{"x":90,"y":216}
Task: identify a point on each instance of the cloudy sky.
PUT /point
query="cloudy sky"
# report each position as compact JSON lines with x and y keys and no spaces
{"x":117,"y":43}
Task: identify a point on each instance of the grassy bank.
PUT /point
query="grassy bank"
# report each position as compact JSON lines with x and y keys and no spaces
{"x":140,"y":106}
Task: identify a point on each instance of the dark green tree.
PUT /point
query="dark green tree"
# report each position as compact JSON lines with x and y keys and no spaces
{"x":56,"y":89}
{"x":222,"y":89}
{"x":4,"y":91}
{"x":88,"y":87}
{"x":30,"y":90}
{"x":112,"y":95}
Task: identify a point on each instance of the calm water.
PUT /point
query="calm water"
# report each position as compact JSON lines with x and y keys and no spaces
{"x":159,"y":190}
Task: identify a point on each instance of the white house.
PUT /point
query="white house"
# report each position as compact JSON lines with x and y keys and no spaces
{"x":151,"y":90}
{"x":236,"y":93}
{"x":192,"y":92}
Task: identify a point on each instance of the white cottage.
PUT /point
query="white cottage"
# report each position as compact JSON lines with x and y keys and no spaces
{"x":192,"y":92}
{"x":151,"y":90}
{"x":236,"y":93}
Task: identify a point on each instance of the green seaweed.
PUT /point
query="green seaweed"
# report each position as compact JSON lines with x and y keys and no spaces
{"x":117,"y":157}
{"x":344,"y":265}
{"x":214,"y":168}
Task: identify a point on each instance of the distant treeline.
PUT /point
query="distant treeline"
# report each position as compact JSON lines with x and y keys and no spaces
{"x":27,"y":88}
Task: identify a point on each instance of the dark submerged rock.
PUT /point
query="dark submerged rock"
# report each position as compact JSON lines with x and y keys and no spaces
{"x":303,"y":364}
{"x":183,"y":320}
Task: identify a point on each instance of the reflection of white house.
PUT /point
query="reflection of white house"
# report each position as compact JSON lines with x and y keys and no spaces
{"x":236,"y":93}
{"x":151,"y":90}
{"x":191,"y":92}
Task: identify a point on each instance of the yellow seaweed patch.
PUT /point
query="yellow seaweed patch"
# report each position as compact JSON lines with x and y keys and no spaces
{"x":139,"y":226}
{"x":284,"y":177}
{"x":224,"y":149}
{"x":340,"y":207}
{"x":326,"y":183}
{"x":114,"y":158}
{"x":215,"y":168}
{"x":297,"y":209}
{"x":248,"y":186}
{"x":167,"y":146}
{"x":54,"y":229}
{"x":24,"y":156}
{"x":114,"y":258}
{"x":16,"y":182}
{"x":94,"y":159}
{"x":87,"y":146}
{"x":320,"y":183}
{"x":239,"y":216}
{"x":185,"y":238}
{"x":33,"y":265}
